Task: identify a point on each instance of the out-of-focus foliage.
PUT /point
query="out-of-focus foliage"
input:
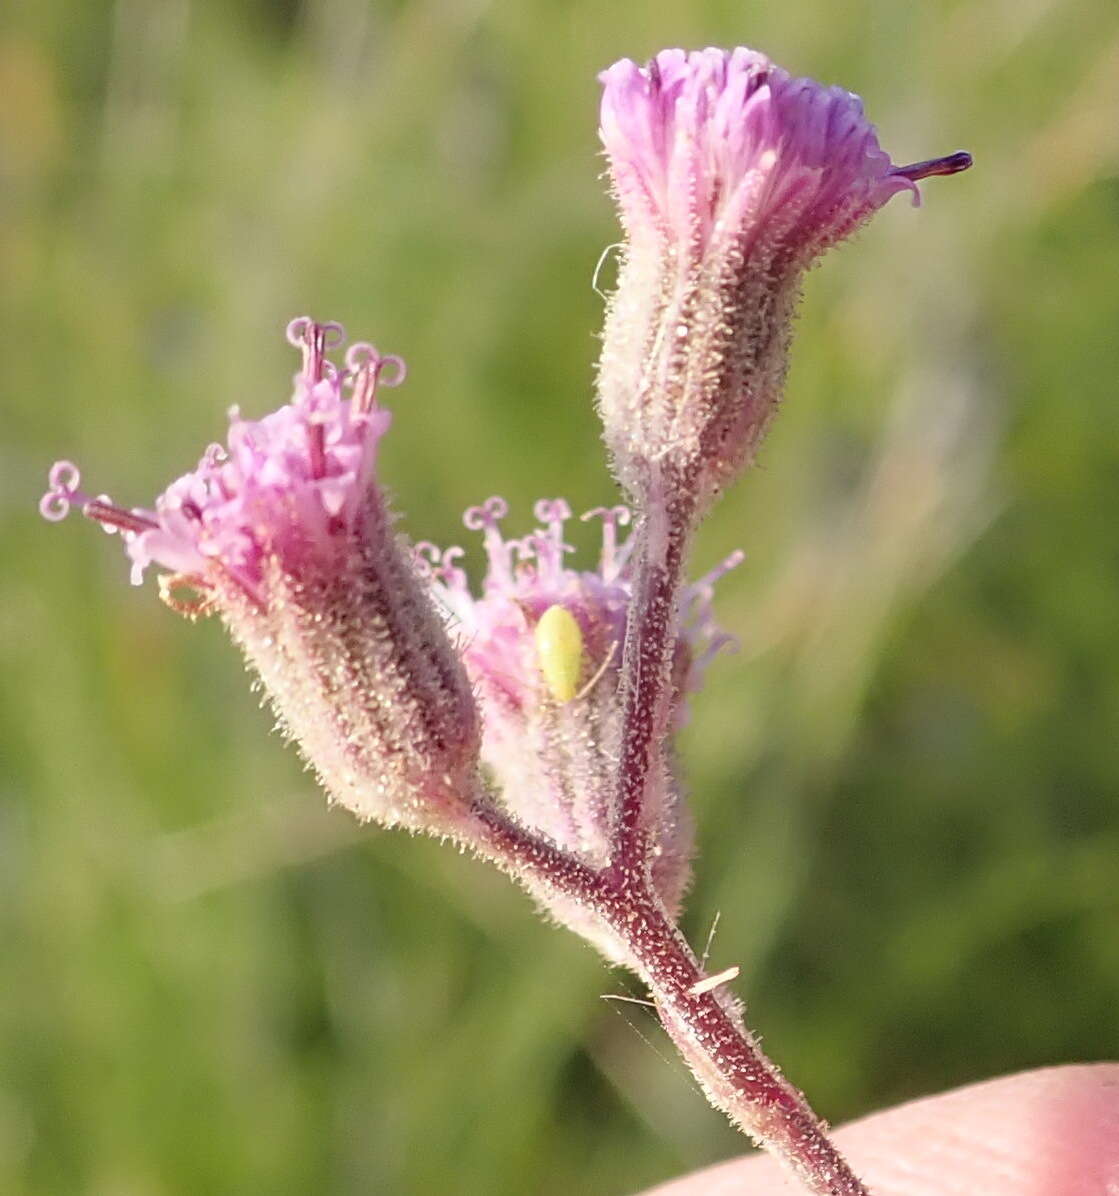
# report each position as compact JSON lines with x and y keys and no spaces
{"x":906,"y":782}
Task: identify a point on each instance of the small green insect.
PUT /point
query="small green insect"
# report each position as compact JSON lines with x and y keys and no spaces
{"x":559,"y":648}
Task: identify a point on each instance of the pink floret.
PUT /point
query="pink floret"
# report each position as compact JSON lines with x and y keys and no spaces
{"x":283,"y":485}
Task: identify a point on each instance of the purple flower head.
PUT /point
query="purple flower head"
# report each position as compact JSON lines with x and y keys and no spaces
{"x":731,"y":178}
{"x":550,"y":702}
{"x":284,"y":533}
{"x":699,"y":143}
{"x":285,"y":487}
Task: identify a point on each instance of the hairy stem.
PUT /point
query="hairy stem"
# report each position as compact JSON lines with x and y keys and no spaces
{"x":708,"y":1030}
{"x":706,"y":1026}
{"x":527,"y":857}
{"x":647,"y":669}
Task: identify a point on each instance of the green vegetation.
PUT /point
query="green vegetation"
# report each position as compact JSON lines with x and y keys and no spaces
{"x":906,"y":783}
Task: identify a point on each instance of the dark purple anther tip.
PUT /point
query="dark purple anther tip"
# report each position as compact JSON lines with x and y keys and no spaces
{"x":952,"y":164}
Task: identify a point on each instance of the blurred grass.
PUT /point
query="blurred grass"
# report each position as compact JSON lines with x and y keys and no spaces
{"x":905,"y":783}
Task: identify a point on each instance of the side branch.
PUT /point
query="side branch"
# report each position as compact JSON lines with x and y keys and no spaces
{"x":526,"y":856}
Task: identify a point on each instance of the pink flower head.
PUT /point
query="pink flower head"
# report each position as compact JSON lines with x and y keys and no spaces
{"x":700,"y":142}
{"x":287,"y":486}
{"x":554,"y":752}
{"x":285,"y":534}
{"x":731,"y":177}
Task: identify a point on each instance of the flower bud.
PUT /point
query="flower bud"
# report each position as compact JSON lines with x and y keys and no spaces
{"x":285,"y":534}
{"x":731,"y":178}
{"x":543,"y":648}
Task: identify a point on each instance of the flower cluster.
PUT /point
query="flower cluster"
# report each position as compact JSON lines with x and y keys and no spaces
{"x":731,"y":177}
{"x":534,"y":721}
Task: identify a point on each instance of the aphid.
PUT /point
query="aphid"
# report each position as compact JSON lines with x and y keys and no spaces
{"x":559,"y":648}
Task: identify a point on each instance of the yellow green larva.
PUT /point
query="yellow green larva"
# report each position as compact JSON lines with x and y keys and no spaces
{"x":559,"y":648}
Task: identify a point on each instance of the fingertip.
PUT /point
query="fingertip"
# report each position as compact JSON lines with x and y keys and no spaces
{"x":1051,"y":1132}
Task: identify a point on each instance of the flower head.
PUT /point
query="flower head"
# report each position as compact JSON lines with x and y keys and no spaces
{"x":284,"y":533}
{"x":285,"y":488}
{"x":542,"y":645}
{"x":731,"y":177}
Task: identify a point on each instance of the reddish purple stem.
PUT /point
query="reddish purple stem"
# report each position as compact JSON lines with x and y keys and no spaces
{"x":647,"y":670}
{"x":708,"y":1030}
{"x":706,"y":1027}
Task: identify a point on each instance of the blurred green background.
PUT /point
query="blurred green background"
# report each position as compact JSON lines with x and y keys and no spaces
{"x":906,"y":782}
